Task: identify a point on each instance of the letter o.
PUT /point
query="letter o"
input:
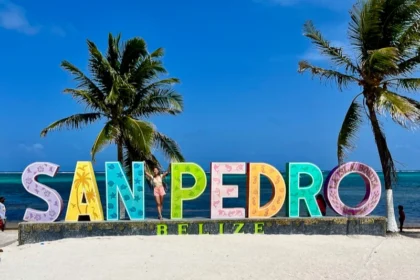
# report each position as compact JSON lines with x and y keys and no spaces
{"x":372,"y":183}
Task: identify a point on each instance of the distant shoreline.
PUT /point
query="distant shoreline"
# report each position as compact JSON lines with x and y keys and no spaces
{"x":207,"y":172}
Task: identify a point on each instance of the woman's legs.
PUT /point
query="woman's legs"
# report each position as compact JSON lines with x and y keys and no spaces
{"x":161,"y":203}
{"x":158,"y":205}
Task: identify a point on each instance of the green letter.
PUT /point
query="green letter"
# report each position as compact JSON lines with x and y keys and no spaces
{"x":221,"y":228}
{"x":200,"y":229}
{"x":259,"y":228}
{"x":239,"y":227}
{"x":182,"y":228}
{"x":178,"y":193}
{"x":306,"y":193}
{"x":162,"y":230}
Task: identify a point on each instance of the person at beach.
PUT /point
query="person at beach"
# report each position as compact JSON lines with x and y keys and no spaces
{"x":2,"y":214}
{"x":321,"y":204}
{"x":402,"y":216}
{"x":158,"y":188}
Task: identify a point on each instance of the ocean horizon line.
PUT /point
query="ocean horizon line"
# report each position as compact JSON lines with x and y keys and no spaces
{"x":207,"y":172}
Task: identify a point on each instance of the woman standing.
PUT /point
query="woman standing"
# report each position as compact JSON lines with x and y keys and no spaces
{"x":158,"y":188}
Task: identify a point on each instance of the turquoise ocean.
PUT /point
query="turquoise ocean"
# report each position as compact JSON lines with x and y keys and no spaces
{"x":352,"y":190}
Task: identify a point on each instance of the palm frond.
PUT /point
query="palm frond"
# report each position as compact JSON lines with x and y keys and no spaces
{"x":160,"y":52}
{"x":72,"y":122}
{"x":113,"y":54}
{"x":86,"y":98}
{"x":349,"y":129}
{"x":382,"y":60}
{"x":83,"y":81}
{"x":107,"y":135}
{"x":408,"y":84}
{"x":138,"y":133}
{"x":334,"y":53}
{"x":365,"y":30}
{"x":404,"y":111}
{"x":169,"y":147}
{"x":158,"y":101}
{"x":341,"y":79}
{"x":134,"y":51}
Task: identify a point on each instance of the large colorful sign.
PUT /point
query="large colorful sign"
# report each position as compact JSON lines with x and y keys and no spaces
{"x":85,"y":200}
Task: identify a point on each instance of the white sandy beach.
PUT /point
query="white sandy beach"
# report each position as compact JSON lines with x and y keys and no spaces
{"x":215,"y":257}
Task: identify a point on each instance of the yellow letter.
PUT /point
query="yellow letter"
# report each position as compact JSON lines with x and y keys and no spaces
{"x":84,"y":196}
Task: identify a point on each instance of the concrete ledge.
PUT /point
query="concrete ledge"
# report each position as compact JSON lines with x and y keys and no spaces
{"x":41,"y":232}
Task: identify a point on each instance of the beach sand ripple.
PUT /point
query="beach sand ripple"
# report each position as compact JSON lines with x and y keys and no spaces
{"x":216,"y":257}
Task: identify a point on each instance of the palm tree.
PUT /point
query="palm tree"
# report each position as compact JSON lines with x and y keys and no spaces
{"x":124,"y":90}
{"x":385,"y":37}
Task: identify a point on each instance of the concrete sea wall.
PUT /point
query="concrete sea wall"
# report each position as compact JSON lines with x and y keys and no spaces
{"x":41,"y":232}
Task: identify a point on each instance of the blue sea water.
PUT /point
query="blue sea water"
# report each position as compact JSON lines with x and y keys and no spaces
{"x":352,"y":190}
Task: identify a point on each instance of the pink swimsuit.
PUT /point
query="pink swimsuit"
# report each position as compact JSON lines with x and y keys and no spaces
{"x":158,"y":190}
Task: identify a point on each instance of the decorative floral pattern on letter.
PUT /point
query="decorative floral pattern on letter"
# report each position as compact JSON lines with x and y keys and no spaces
{"x":178,"y":192}
{"x":255,"y":210}
{"x":220,"y":191}
{"x":84,"y":195}
{"x":307,"y":193}
{"x":117,"y":184}
{"x":372,"y":195}
{"x":50,"y":196}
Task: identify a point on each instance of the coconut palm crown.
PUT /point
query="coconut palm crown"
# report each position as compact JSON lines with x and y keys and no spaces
{"x":124,"y":90}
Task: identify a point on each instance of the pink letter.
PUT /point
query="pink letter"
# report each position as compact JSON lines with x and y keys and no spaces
{"x":50,"y":196}
{"x":373,"y":189}
{"x":220,"y":191}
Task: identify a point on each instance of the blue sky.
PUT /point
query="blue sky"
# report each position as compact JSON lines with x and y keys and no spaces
{"x":237,"y":60}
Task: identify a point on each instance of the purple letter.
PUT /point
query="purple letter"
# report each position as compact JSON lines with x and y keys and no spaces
{"x":373,"y":189}
{"x":50,"y":196}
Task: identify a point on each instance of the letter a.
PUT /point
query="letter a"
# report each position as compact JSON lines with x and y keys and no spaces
{"x":84,"y":195}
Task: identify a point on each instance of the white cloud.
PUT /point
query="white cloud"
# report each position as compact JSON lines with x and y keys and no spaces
{"x":33,"y":148}
{"x":330,"y":4}
{"x":13,"y":17}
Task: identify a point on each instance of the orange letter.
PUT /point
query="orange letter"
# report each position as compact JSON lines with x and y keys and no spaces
{"x":279,"y":190}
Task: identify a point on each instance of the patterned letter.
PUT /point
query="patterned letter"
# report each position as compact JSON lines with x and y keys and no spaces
{"x":220,"y":191}
{"x":307,"y":193}
{"x":255,"y":170}
{"x":84,"y":195}
{"x":178,"y":193}
{"x":373,"y":189}
{"x":50,"y":196}
{"x":132,"y":198}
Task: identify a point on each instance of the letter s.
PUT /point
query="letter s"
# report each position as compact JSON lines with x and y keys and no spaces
{"x":50,"y":196}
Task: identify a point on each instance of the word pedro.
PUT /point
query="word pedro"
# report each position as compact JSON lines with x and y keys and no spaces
{"x":84,"y":197}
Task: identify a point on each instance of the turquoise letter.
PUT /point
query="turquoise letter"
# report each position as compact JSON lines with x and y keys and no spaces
{"x":307,"y":193}
{"x":117,"y":184}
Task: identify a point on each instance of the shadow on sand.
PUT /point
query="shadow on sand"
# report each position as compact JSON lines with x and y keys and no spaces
{"x":411,"y":234}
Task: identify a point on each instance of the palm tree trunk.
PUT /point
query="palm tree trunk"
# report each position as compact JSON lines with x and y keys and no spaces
{"x":386,"y":162}
{"x":120,"y":159}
